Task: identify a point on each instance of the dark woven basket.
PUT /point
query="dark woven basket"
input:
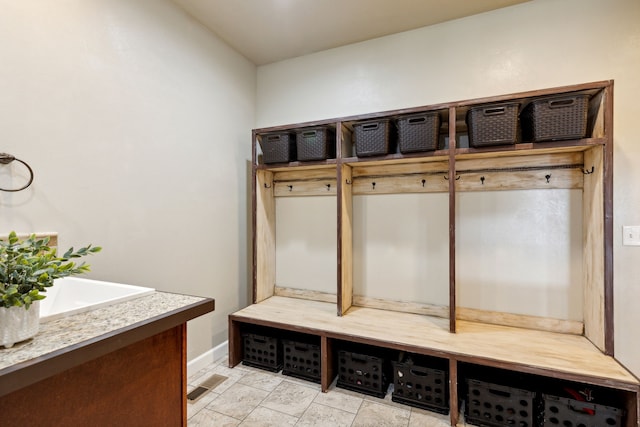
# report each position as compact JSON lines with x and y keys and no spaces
{"x":555,"y":118}
{"x":315,"y":143}
{"x":418,"y":132}
{"x":278,"y":147}
{"x":495,"y":124}
{"x":373,"y":138}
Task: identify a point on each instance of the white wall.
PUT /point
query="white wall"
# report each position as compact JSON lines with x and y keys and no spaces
{"x":137,"y":122}
{"x":539,"y":44}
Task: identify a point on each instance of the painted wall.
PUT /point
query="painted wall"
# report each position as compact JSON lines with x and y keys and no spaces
{"x":539,"y":44}
{"x":136,"y":121}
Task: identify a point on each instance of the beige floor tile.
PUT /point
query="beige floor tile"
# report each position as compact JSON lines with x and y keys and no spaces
{"x":422,"y":418}
{"x":238,"y":401}
{"x":208,"y":418}
{"x":290,"y":398}
{"x":373,"y":414}
{"x":263,"y":380}
{"x":323,"y":416}
{"x":203,"y":401}
{"x":340,"y":399}
{"x":265,"y":417}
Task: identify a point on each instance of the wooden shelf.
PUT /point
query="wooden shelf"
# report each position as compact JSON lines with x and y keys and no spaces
{"x":567,"y":349}
{"x":566,"y":356}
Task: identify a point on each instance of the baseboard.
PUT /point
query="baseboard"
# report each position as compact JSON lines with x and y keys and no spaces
{"x":207,"y":358}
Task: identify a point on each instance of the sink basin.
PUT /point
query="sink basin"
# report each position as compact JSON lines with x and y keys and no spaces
{"x":72,"y":295}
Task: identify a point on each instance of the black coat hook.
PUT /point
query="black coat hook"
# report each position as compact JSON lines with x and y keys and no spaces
{"x":373,"y":185}
{"x":423,"y":182}
{"x":328,"y":187}
{"x":548,"y":177}
{"x":290,"y":187}
{"x":447,"y":177}
{"x":589,"y":172}
{"x":482,"y":180}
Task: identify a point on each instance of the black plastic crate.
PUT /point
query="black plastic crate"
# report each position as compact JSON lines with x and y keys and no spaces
{"x":563,"y":411}
{"x":278,"y":147}
{"x":496,"y":405}
{"x":364,"y":373}
{"x":555,"y":118}
{"x":374,"y":137}
{"x":262,"y":351}
{"x":418,"y":132}
{"x":317,"y":143}
{"x":301,"y":360}
{"x":495,"y":124}
{"x":415,"y":384}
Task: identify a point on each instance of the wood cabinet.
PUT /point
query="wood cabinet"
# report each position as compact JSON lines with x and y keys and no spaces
{"x":548,"y":346}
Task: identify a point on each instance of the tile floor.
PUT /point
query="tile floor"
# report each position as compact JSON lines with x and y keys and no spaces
{"x":253,"y":397}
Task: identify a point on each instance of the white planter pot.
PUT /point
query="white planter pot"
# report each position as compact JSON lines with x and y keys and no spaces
{"x":18,"y":324}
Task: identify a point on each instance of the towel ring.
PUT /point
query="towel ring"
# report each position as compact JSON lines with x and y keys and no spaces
{"x":5,"y":159}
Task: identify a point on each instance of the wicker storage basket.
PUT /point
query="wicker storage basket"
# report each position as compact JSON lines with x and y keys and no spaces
{"x":495,"y":124}
{"x":373,"y":138}
{"x":315,"y":143}
{"x":555,"y":118}
{"x":418,"y":132}
{"x":278,"y":147}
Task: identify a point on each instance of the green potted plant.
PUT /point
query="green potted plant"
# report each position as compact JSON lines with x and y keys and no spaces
{"x":27,"y":268}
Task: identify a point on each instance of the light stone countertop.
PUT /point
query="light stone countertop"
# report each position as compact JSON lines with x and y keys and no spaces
{"x":67,"y":332}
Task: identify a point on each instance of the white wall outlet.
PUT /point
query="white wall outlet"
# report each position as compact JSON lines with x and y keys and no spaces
{"x":631,"y":235}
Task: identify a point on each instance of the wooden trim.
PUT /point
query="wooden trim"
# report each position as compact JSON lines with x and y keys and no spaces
{"x":52,"y":235}
{"x":265,"y":237}
{"x":235,"y":343}
{"x":306,"y":294}
{"x":608,"y":223}
{"x":452,"y":220}
{"x":453,"y":392}
{"x":345,"y":239}
{"x":402,"y":306}
{"x":254,"y":218}
{"x":521,"y":321}
{"x":327,"y":368}
{"x":182,"y":332}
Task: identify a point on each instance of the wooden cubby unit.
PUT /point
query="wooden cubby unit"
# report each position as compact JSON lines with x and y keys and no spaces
{"x":565,"y":349}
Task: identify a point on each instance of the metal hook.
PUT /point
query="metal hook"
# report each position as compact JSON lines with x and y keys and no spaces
{"x":266,"y":186}
{"x":290,"y":187}
{"x":373,"y":185}
{"x":548,"y":177}
{"x":423,"y":182}
{"x":348,"y":181}
{"x":328,"y":187}
{"x":589,"y":172}
{"x":482,"y":180}
{"x":5,"y":159}
{"x":447,"y":177}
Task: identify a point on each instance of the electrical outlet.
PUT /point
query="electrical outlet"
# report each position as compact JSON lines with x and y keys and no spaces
{"x":631,"y":235}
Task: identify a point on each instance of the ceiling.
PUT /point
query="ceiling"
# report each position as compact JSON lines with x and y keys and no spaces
{"x":267,"y":31}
